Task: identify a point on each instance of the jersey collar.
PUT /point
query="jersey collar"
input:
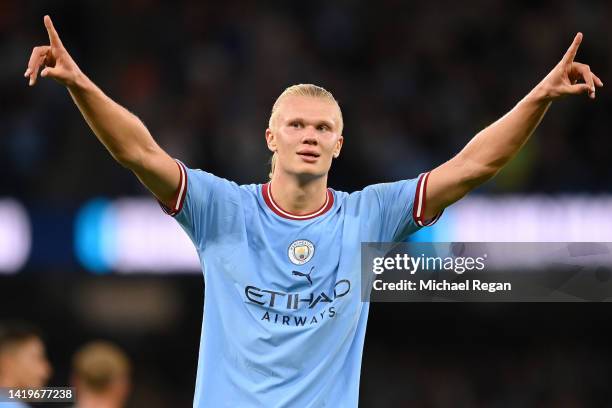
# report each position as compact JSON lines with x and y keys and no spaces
{"x":267,"y":196}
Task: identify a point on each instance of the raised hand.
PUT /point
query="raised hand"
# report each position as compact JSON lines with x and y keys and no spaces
{"x":56,"y":61}
{"x":570,"y":77}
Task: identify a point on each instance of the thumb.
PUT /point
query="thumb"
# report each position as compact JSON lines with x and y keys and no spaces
{"x":50,"y":72}
{"x":578,"y":89}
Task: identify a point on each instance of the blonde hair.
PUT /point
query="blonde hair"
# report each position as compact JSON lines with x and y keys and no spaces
{"x":310,"y":90}
{"x":98,"y":364}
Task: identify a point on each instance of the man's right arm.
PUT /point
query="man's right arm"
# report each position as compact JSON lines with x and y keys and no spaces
{"x":121,"y":132}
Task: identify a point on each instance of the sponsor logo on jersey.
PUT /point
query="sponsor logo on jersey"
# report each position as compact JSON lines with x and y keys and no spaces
{"x":279,"y":306}
{"x":306,"y":275}
{"x":300,"y":251}
{"x":293,"y":301}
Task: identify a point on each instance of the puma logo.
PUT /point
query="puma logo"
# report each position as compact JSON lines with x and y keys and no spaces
{"x":307,"y":275}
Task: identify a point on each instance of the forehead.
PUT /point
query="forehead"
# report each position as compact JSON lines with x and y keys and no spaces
{"x":309,"y":108}
{"x":23,"y":346}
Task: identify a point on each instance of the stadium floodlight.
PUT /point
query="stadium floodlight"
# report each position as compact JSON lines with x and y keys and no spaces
{"x":131,"y":235}
{"x":520,"y":218}
{"x":15,"y":236}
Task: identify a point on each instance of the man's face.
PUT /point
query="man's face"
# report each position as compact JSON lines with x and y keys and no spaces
{"x":27,"y":363}
{"x":305,"y":135}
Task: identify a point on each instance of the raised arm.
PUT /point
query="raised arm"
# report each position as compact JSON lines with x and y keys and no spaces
{"x":493,"y":147}
{"x":122,"y":133}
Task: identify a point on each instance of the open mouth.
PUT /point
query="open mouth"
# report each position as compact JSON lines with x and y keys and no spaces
{"x":309,"y":157}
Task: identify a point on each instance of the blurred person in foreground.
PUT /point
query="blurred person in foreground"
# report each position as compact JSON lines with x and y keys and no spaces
{"x":284,"y":323}
{"x":101,"y":376}
{"x":23,"y":361}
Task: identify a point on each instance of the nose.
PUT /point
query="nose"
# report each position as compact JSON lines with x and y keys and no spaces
{"x":310,"y":136}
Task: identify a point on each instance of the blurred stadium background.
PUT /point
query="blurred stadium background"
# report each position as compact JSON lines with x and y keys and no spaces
{"x":85,"y":253}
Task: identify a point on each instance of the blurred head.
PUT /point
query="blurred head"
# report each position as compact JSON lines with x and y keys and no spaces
{"x":23,"y":362}
{"x":305,"y":131}
{"x":101,"y":370}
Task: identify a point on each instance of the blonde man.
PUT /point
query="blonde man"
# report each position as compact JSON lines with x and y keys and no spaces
{"x":101,"y":376}
{"x":284,"y":323}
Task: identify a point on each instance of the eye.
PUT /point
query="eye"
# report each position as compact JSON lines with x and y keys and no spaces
{"x":323,"y":128}
{"x":296,"y":124}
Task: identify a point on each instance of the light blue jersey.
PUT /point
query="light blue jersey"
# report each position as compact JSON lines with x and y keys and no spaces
{"x":284,"y":324}
{"x":13,"y":404}
{"x":5,"y":402}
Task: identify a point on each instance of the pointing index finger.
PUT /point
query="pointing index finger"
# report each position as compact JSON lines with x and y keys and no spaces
{"x":53,"y":36}
{"x":573,"y":49}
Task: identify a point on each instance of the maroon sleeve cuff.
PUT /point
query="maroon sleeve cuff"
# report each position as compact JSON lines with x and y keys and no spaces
{"x":179,"y":199}
{"x":418,"y":206}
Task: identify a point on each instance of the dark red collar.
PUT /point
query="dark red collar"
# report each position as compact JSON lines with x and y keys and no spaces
{"x":267,"y":196}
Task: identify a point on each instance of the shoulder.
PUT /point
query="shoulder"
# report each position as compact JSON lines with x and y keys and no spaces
{"x":249,"y":193}
{"x":366,"y":194}
{"x":353,"y":202}
{"x":199,"y":176}
{"x":384,"y":194}
{"x":204,"y":185}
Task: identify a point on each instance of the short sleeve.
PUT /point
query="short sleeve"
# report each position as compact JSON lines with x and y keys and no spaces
{"x":206,"y":206}
{"x":402,"y":207}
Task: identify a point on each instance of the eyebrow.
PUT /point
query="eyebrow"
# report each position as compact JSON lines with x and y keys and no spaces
{"x":328,"y":123}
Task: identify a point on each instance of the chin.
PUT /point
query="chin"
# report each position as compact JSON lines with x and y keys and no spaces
{"x":308,"y":174}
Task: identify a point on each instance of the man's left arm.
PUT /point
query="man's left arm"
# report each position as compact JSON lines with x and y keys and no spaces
{"x":493,"y":147}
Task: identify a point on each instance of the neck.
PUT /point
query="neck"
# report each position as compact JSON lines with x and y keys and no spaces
{"x":298,"y":196}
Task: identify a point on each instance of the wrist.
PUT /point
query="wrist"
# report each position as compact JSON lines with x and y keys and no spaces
{"x":540,"y":95}
{"x":79,"y":83}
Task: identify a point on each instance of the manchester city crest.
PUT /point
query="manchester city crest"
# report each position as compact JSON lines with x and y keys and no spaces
{"x":301,"y":251}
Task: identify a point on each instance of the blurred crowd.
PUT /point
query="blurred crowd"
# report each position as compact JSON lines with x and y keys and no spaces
{"x":415,"y":80}
{"x":418,"y":355}
{"x":100,"y":374}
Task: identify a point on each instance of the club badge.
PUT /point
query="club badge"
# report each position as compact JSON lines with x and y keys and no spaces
{"x":301,"y":251}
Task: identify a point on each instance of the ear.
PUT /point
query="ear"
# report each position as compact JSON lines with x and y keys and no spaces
{"x":338,"y":147}
{"x":271,"y":140}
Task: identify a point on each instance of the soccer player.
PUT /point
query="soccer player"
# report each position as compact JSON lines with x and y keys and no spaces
{"x":23,"y":362}
{"x":101,"y":376}
{"x":284,"y":324}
